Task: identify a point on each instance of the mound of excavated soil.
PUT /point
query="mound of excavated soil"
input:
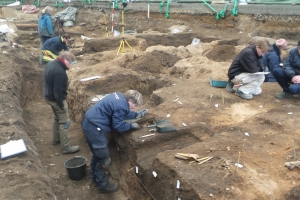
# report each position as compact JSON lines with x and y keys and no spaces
{"x":221,"y":53}
{"x":155,"y":62}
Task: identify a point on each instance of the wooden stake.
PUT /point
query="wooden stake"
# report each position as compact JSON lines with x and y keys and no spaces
{"x":223,"y":99}
{"x":294,"y":149}
{"x":237,"y":166}
{"x":210,"y":97}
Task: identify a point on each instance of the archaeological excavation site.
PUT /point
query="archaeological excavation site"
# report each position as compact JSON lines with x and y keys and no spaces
{"x":197,"y":141}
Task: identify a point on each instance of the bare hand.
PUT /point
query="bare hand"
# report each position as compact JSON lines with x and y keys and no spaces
{"x":296,"y":79}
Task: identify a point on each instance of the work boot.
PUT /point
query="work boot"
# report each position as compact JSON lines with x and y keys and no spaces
{"x":281,"y":95}
{"x":70,"y":149}
{"x":229,"y":87}
{"x":111,"y":188}
{"x":243,"y":95}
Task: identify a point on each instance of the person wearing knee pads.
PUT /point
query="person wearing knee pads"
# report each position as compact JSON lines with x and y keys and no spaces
{"x":56,"y":85}
{"x":106,"y":115}
{"x":53,"y":46}
{"x":288,"y":77}
{"x":242,"y":78}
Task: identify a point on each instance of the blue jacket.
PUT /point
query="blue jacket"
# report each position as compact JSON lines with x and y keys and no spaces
{"x":45,"y":27}
{"x":56,"y":82}
{"x":272,"y":58}
{"x":246,"y":61}
{"x":291,"y":65}
{"x":109,"y":113}
{"x":55,"y":45}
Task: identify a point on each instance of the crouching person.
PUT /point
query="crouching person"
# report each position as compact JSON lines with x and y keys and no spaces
{"x":106,"y":115}
{"x":56,"y":85}
{"x":53,"y":46}
{"x":289,"y":77}
{"x":242,"y":78}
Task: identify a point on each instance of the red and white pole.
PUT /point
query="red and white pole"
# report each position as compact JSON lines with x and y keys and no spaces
{"x":112,"y":19}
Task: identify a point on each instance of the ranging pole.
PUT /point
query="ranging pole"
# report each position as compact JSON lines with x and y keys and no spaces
{"x":148,"y":10}
{"x":112,"y":18}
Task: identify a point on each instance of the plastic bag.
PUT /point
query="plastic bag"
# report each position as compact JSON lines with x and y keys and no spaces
{"x":195,"y":41}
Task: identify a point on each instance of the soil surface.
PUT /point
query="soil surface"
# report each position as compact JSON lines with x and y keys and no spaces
{"x":260,"y":134}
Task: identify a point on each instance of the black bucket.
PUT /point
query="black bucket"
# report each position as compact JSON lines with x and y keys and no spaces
{"x":76,"y":167}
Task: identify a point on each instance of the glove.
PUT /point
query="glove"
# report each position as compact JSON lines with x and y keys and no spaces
{"x":134,"y":125}
{"x":141,"y":113}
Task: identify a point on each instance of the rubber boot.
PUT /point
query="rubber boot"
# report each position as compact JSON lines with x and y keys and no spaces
{"x":65,"y":140}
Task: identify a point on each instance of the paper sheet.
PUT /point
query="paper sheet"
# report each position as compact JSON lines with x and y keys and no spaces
{"x":12,"y":147}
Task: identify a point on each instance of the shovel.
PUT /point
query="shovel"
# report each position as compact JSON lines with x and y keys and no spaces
{"x":163,"y":126}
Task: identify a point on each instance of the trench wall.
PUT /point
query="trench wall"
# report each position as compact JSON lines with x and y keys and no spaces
{"x":23,"y":172}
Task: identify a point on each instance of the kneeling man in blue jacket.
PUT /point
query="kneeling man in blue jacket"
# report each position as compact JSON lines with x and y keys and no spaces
{"x":106,"y":115}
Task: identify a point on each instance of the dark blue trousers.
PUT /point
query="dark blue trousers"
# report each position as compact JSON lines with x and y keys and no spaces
{"x":285,"y":82}
{"x":44,"y":38}
{"x":98,"y":144}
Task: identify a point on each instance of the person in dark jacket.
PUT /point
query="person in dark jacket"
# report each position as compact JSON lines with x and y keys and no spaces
{"x":288,"y":77}
{"x":45,"y":27}
{"x":53,"y":46}
{"x":106,"y":115}
{"x":56,"y":85}
{"x":272,"y":59}
{"x":242,"y":78}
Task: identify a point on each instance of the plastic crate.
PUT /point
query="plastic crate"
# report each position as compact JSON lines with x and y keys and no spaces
{"x":217,"y":83}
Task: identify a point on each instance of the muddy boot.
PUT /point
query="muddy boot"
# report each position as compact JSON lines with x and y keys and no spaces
{"x":70,"y":149}
{"x":111,"y":188}
{"x":65,"y":139}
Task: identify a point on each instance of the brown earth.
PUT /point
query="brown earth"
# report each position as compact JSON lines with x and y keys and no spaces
{"x":163,"y":67}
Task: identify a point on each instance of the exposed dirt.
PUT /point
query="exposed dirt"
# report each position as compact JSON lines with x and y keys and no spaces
{"x":163,"y":67}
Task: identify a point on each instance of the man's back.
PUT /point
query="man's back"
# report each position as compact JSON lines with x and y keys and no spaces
{"x":55,"y":45}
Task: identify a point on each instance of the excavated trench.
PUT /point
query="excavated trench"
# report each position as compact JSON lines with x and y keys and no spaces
{"x":128,"y":150}
{"x":150,"y":72}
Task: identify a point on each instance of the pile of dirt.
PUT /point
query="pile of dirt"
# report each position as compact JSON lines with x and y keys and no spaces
{"x":221,"y":53}
{"x":155,"y":62}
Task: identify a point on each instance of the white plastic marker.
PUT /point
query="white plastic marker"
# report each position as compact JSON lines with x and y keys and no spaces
{"x":147,"y":135}
{"x":239,"y":165}
{"x":183,"y":124}
{"x":154,"y":174}
{"x":178,"y":184}
{"x":136,"y":169}
{"x":90,"y":78}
